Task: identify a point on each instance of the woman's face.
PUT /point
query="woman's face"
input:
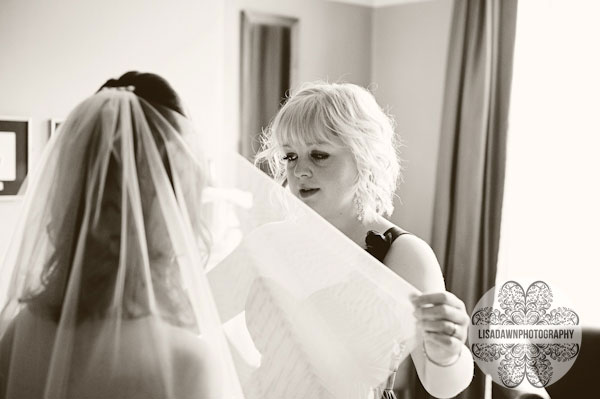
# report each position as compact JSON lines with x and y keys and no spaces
{"x":323,"y":176}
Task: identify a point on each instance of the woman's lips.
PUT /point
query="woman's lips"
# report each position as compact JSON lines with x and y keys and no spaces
{"x":307,"y":192}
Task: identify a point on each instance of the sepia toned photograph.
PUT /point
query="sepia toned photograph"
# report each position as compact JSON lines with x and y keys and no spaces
{"x":14,"y":148}
{"x":53,"y":125}
{"x":299,"y":199}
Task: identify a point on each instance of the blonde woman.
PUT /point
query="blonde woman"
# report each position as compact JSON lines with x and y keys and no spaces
{"x":336,"y":150}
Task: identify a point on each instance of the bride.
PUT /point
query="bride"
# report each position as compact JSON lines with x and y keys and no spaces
{"x":111,"y":287}
{"x":106,"y":299}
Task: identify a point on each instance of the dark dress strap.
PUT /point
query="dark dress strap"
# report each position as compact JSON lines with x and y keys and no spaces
{"x":378,"y":244}
{"x":395,"y":232}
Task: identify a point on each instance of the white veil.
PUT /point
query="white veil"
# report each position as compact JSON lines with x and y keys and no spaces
{"x":141,"y":269}
{"x":107,"y":295}
{"x":324,"y":319}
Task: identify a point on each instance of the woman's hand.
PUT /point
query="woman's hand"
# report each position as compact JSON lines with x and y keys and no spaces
{"x":443,"y":321}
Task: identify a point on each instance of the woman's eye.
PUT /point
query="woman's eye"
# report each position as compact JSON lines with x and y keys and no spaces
{"x":319,"y":156}
{"x":290,"y":157}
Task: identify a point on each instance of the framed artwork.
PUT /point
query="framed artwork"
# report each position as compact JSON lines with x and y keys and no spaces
{"x":54,"y":123}
{"x":14,"y":157}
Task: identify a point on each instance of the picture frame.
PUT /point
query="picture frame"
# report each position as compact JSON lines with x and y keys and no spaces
{"x":53,"y":125}
{"x":14,"y":154}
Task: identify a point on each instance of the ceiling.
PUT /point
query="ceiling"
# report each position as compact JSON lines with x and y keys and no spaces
{"x":377,"y":3}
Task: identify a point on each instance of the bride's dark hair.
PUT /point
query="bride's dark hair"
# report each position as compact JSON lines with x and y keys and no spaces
{"x":98,"y":276}
{"x":151,"y":87}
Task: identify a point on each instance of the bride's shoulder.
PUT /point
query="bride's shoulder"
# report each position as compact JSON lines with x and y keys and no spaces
{"x":28,"y":320}
{"x":187,"y":349}
{"x":26,"y":328}
{"x":188,"y":354}
{"x":193,"y":362}
{"x":178,"y":338}
{"x":187,"y":346}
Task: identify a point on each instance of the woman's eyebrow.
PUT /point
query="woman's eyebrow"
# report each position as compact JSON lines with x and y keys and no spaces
{"x":308,"y":144}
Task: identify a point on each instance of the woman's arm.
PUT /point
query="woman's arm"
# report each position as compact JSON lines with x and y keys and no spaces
{"x":447,"y":368}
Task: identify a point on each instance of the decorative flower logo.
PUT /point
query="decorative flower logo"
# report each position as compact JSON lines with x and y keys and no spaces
{"x":520,"y":308}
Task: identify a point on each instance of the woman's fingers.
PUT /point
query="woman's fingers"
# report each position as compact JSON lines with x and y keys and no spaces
{"x":443,"y":327}
{"x":442,"y":341}
{"x":442,"y":312}
{"x":439,"y":298}
{"x":441,"y":348}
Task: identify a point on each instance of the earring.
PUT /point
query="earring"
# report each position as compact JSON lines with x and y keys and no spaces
{"x":359,"y":207}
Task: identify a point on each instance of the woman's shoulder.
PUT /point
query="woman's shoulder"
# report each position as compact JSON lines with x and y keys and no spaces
{"x":413,"y":259}
{"x":29,"y":321}
{"x":189,"y":350}
{"x":178,"y":339}
{"x":191,"y":372}
{"x":194,"y":365}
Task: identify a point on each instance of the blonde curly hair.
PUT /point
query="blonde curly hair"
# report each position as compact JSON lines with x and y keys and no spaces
{"x":322,"y":112}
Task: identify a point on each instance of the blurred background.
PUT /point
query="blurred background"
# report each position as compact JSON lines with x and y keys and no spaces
{"x":496,"y":103}
{"x":54,"y":54}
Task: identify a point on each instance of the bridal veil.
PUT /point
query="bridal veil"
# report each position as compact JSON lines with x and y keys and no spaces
{"x":145,"y":266}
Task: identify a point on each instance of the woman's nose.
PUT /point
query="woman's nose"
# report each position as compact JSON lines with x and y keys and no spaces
{"x":302,"y":169}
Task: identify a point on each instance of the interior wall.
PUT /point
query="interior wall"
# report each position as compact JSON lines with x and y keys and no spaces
{"x":55,"y":54}
{"x":334,"y":44}
{"x":410,"y":46}
{"x":398,"y":51}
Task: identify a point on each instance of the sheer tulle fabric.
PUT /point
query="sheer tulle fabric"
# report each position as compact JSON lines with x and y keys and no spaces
{"x":142,"y":269}
{"x":322,"y":317}
{"x":107,"y":295}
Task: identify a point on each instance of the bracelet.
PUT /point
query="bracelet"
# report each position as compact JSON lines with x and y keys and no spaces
{"x":440,"y":364}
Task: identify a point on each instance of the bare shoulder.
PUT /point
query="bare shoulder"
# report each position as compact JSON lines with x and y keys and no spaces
{"x":6,"y":342}
{"x":413,"y":259}
{"x":195,"y":366}
{"x":191,"y":371}
{"x":8,"y":336}
{"x":190,"y":351}
{"x":25,"y":347}
{"x":27,"y":322}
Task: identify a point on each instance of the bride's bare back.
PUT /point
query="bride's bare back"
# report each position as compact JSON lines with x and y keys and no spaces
{"x":132,"y":366}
